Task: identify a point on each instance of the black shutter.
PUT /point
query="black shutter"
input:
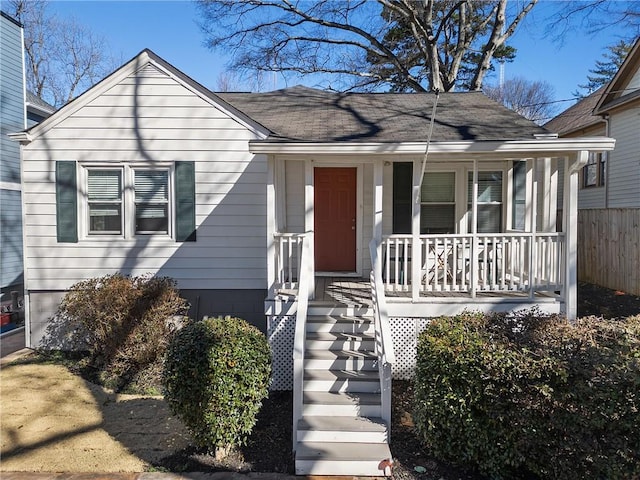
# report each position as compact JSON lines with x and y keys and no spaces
{"x":185,"y":202}
{"x":402,"y":190}
{"x":66,"y":202}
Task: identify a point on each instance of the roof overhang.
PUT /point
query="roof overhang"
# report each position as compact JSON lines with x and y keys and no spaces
{"x":541,"y":147}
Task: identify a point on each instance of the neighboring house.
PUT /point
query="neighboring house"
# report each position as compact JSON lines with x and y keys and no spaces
{"x":12,"y":94}
{"x":12,"y":117}
{"x":609,"y":196}
{"x":278,"y":206}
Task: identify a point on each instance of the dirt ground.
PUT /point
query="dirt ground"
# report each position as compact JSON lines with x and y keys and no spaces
{"x":54,"y":421}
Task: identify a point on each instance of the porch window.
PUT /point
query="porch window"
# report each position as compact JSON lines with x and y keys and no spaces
{"x":104,"y":192}
{"x":489,"y":202}
{"x":593,"y":173}
{"x":438,"y":203}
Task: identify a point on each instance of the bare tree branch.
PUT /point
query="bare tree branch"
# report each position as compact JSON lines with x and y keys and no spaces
{"x":63,"y":58}
{"x":406,"y":44}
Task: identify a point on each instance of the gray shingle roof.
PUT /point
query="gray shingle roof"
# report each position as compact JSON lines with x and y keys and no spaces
{"x":33,"y":99}
{"x":576,"y":117}
{"x":303,"y":114}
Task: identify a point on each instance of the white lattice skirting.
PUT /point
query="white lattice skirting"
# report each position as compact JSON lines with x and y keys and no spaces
{"x":280,"y":332}
{"x":281,"y":329}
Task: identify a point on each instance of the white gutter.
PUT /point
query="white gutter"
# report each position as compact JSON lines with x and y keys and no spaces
{"x":22,"y":137}
{"x":534,"y":147}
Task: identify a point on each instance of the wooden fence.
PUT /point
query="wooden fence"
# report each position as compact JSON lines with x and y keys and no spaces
{"x":609,"y":248}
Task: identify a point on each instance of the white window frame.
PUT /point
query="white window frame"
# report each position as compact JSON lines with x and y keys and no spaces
{"x":424,"y":205}
{"x":119,"y":203}
{"x":128,"y":201}
{"x":503,"y":195}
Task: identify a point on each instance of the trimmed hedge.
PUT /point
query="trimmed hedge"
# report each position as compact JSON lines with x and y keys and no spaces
{"x":527,"y":393}
{"x":125,"y":323}
{"x":216,"y":374}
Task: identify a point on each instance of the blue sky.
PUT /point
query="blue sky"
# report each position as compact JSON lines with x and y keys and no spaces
{"x":170,"y":29}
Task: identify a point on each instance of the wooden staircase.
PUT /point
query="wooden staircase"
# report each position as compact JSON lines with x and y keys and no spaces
{"x":341,"y":430}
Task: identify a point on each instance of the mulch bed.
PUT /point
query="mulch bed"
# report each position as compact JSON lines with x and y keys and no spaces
{"x":269,"y":448}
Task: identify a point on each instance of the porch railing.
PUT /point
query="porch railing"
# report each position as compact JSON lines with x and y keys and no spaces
{"x":383,"y":339}
{"x":288,"y":257}
{"x":483,"y":263}
{"x":304,"y":283}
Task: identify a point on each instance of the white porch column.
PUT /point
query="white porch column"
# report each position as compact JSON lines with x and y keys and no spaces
{"x":570,"y":227}
{"x":309,"y":223}
{"x":416,"y":249}
{"x":271,"y":225}
{"x":475,"y":246}
{"x":533,"y":227}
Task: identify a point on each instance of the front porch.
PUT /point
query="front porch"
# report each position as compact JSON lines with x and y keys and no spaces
{"x":499,"y":272}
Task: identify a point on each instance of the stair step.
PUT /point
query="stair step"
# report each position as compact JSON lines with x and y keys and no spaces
{"x":339,"y":341}
{"x":341,"y":404}
{"x":340,"y":359}
{"x":339,"y":458}
{"x":340,"y":323}
{"x":341,"y":429}
{"x":323,"y":308}
{"x":341,"y":381}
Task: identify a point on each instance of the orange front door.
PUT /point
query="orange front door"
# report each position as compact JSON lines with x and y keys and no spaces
{"x":335,"y":219}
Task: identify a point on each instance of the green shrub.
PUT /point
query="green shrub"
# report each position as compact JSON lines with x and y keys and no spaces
{"x":125,"y":324}
{"x":511,"y":394}
{"x":216,"y":375}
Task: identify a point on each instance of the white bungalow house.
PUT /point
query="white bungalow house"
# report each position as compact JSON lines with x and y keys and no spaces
{"x":307,"y":213}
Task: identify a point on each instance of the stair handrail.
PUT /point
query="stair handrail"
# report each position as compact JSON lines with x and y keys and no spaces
{"x":384,"y":341}
{"x":300,"y":334}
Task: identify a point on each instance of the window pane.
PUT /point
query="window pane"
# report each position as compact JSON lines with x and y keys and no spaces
{"x":104,"y":185}
{"x":489,"y":218}
{"x":437,"y":219}
{"x":105,"y":218}
{"x":439,"y":187}
{"x":489,"y":187}
{"x":151,"y":186}
{"x":590,"y":175}
{"x":152,"y":218}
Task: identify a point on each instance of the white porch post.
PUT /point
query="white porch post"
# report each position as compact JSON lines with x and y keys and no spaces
{"x":309,"y":223}
{"x":570,"y":226}
{"x":271,"y":225}
{"x":416,"y":248}
{"x":475,"y":246}
{"x":533,"y":253}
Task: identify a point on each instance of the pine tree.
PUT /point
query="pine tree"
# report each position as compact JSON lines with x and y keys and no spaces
{"x":606,"y":68}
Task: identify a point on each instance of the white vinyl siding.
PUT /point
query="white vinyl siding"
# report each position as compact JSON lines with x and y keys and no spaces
{"x":634,"y":83}
{"x":150,"y":121}
{"x":624,"y":161}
